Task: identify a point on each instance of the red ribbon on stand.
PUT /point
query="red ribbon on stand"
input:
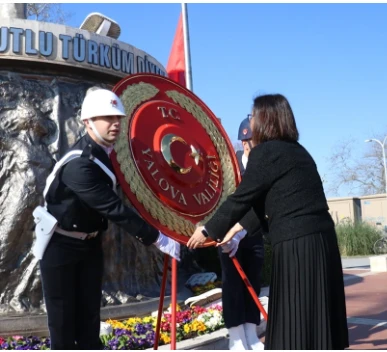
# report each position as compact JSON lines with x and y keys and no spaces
{"x":249,"y":287}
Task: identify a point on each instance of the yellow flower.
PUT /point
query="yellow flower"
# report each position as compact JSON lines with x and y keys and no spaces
{"x":111,"y":322}
{"x":198,"y":326}
{"x":187,"y":328}
{"x":147,"y":320}
{"x":116,"y":324}
{"x":165,"y":338}
{"x":131,"y":322}
{"x":178,"y":309}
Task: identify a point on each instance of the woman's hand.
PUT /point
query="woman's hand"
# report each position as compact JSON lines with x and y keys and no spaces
{"x":197,"y":239}
{"x":230,"y":234}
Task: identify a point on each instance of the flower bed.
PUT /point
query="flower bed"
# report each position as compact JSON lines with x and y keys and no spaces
{"x":139,"y":333}
{"x":24,"y":343}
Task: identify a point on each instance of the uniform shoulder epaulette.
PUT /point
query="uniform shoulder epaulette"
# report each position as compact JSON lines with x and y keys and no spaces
{"x":86,"y":152}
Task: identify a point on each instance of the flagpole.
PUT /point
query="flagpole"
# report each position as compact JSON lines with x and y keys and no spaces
{"x":187,"y":52}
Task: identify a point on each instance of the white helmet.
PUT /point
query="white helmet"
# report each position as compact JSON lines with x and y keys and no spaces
{"x":101,"y":102}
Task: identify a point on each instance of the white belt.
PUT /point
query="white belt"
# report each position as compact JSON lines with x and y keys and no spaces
{"x":77,"y":235}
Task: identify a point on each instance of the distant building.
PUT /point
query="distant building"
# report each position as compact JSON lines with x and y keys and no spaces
{"x":374,"y":209}
{"x":347,"y":208}
{"x":371,"y":209}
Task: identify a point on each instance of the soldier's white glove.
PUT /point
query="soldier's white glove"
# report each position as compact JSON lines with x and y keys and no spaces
{"x":168,"y":246}
{"x":231,"y":247}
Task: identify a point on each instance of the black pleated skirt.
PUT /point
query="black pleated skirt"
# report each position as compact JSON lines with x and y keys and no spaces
{"x":307,"y":299}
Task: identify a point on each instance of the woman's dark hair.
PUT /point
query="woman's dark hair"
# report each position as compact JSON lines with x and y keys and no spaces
{"x":273,"y":119}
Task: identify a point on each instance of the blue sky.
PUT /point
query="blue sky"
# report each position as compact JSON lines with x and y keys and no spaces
{"x":329,"y":60}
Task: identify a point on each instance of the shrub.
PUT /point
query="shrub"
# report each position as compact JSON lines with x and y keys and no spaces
{"x":356,"y":238}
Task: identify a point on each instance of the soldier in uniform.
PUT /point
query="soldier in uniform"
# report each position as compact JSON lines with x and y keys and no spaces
{"x":81,"y":197}
{"x":240,"y":312}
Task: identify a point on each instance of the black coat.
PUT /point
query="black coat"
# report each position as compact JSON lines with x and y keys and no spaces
{"x":81,"y":197}
{"x":283,"y":186}
{"x":250,"y":221}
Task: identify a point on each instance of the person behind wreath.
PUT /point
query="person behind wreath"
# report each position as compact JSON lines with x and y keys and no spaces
{"x":241,"y":314}
{"x":80,"y":200}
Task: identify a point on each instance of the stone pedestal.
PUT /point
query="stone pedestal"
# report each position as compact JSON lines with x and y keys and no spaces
{"x":379,"y":263}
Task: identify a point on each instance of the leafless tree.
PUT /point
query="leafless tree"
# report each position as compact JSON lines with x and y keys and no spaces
{"x":362,"y":175}
{"x":48,"y":13}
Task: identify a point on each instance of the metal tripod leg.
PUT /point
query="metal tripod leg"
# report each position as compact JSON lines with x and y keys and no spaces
{"x":173,"y":303}
{"x":161,"y":302}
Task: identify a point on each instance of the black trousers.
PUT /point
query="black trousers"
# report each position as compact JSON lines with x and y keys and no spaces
{"x":71,"y":271}
{"x":238,"y":305}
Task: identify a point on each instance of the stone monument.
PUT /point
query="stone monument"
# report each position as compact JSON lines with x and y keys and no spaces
{"x":45,"y":70}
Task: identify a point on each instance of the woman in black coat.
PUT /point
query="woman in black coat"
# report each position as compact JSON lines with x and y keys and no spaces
{"x":281,"y":183}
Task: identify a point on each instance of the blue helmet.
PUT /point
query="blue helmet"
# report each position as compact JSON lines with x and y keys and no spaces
{"x":245,"y":130}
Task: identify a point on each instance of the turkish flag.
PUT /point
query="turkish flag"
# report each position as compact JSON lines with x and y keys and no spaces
{"x":176,"y":62}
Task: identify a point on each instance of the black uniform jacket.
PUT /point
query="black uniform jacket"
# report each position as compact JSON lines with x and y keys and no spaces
{"x":250,"y":222}
{"x":282,"y":184}
{"x":239,"y":155}
{"x":81,"y":197}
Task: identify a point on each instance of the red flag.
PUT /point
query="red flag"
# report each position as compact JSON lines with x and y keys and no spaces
{"x":176,"y":62}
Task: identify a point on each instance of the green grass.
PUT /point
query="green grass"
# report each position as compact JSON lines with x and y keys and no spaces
{"x":356,"y":239}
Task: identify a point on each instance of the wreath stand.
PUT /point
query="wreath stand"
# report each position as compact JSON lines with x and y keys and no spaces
{"x":174,"y":298}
